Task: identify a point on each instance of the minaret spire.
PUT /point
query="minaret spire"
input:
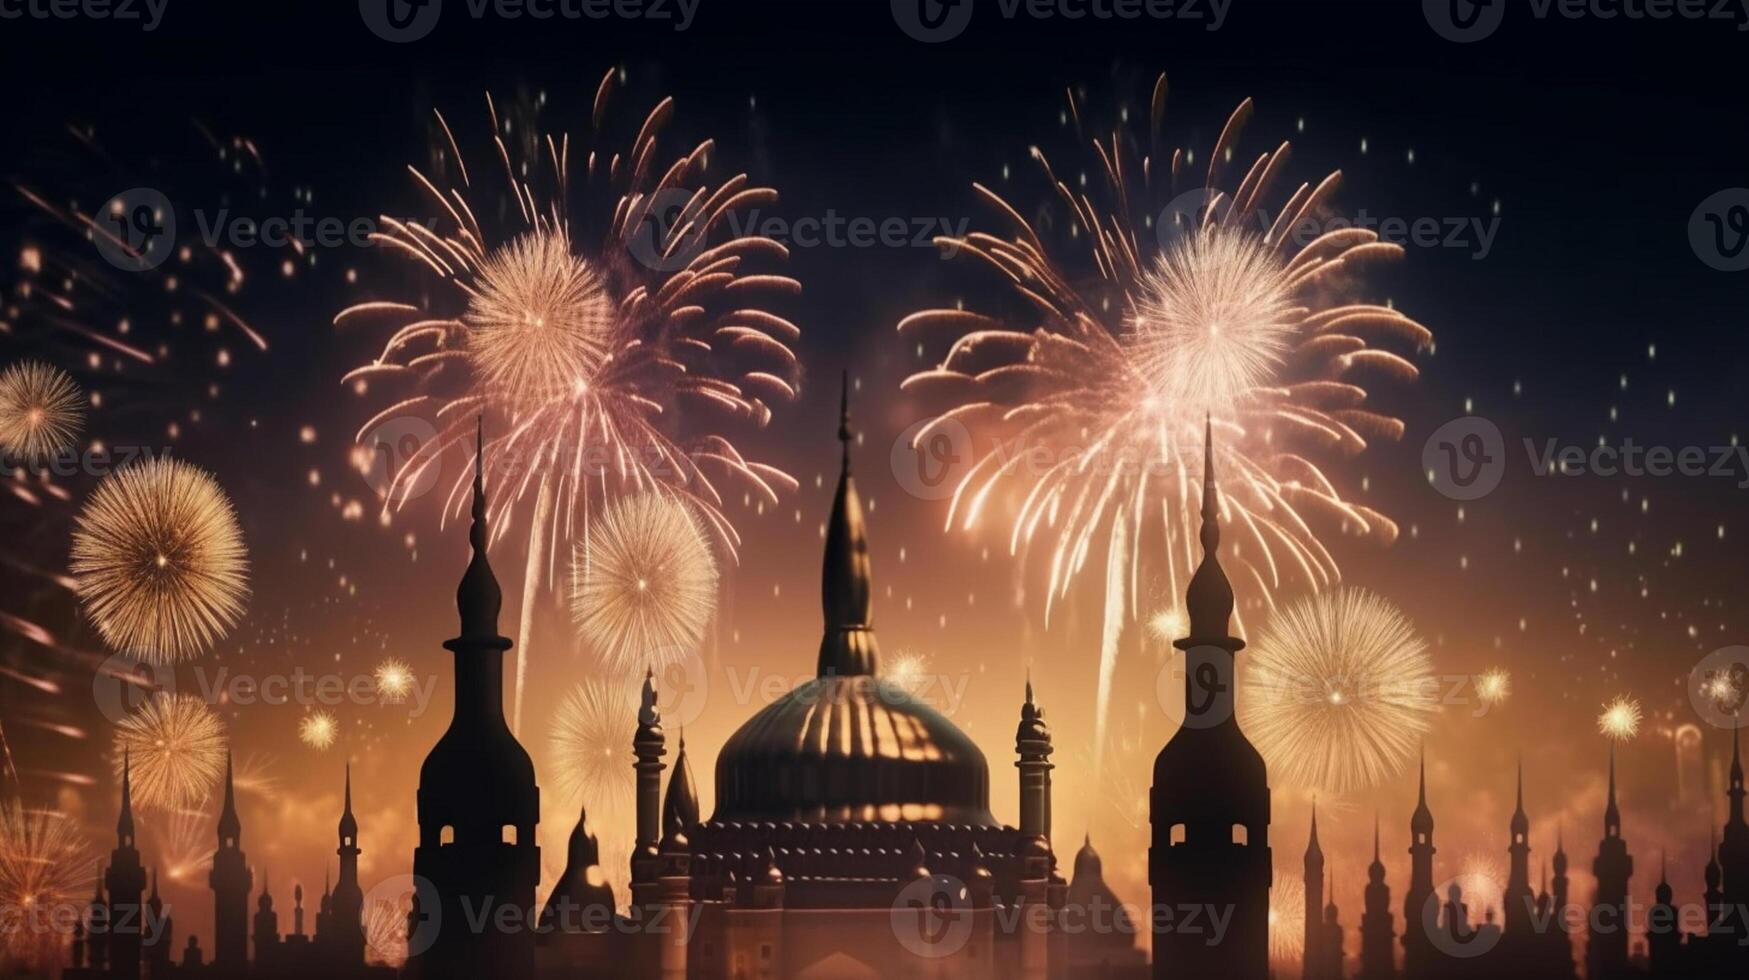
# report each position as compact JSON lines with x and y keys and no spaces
{"x":229,"y":826}
{"x":478,"y":597}
{"x":848,"y":647}
{"x":1612,"y":813}
{"x":1209,"y":599}
{"x":124,"y":824}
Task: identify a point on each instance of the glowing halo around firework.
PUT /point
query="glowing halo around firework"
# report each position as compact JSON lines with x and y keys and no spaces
{"x":644,"y":593}
{"x":1156,"y":316}
{"x":1620,"y":719}
{"x":41,"y":411}
{"x":318,"y":730}
{"x":590,"y":747}
{"x":612,"y":334}
{"x":46,"y":867}
{"x":159,"y":561}
{"x":1339,"y":691}
{"x":175,"y":747}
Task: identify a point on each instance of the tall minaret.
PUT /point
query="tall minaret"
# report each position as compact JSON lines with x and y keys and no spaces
{"x":230,"y":880}
{"x":1312,"y":959}
{"x":1664,"y":927}
{"x":346,"y":924}
{"x":1032,"y":743}
{"x":1330,"y":953}
{"x":1520,"y":901}
{"x":1377,"y":935}
{"x":160,"y":935}
{"x":1734,"y":845}
{"x":266,"y":931}
{"x":648,"y":747}
{"x":1420,"y":903}
{"x":1715,"y":888}
{"x":126,"y":883}
{"x":478,"y":804}
{"x":1606,"y":949}
{"x":1209,"y":804}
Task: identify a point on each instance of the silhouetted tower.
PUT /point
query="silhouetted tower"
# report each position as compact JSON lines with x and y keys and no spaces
{"x":1312,"y":961}
{"x":97,"y":931}
{"x":1562,"y":898}
{"x":1377,"y":935}
{"x":266,"y":930}
{"x":1664,"y":927}
{"x":1606,"y":949}
{"x":478,"y":803}
{"x":1519,"y":900}
{"x":1032,"y":743}
{"x":1330,"y":954}
{"x":345,"y":940}
{"x":126,"y":883}
{"x":297,"y":910}
{"x":1420,"y":903}
{"x":230,"y":881}
{"x":577,"y":903}
{"x":1734,"y":845}
{"x":1715,"y":884}
{"x":649,"y":745}
{"x":160,"y":935}
{"x":1209,"y":805}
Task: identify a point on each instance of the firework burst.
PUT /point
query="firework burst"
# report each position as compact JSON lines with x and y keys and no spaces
{"x":1494,"y":687}
{"x":176,"y":746}
{"x":41,"y":411}
{"x":592,"y":339}
{"x":1287,"y":919}
{"x":394,"y":680}
{"x":46,"y":865}
{"x":645,"y":591}
{"x":1175,"y":312}
{"x":318,"y":730}
{"x":591,"y":754}
{"x":159,"y":561}
{"x":1620,"y":719}
{"x":1340,"y":691}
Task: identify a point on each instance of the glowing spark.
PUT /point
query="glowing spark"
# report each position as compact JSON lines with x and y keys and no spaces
{"x":1339,"y":693}
{"x":394,"y":680}
{"x":176,"y":748}
{"x":908,"y":669}
{"x":41,"y":411}
{"x":46,"y":868}
{"x":646,"y":588}
{"x":1494,"y":686}
{"x":318,"y":730}
{"x":1620,"y":719}
{"x":591,"y":748}
{"x":1169,"y":624}
{"x":159,"y":561}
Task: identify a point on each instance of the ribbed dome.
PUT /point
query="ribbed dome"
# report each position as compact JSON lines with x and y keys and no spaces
{"x":847,"y":749}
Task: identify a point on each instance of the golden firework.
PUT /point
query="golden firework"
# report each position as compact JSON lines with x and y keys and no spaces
{"x":645,"y":584}
{"x":176,"y":747}
{"x":318,"y":730}
{"x":1287,"y":919}
{"x":394,"y":680}
{"x":1339,"y":692}
{"x":1494,"y":686}
{"x":590,"y":740}
{"x":159,"y":561}
{"x":41,"y":410}
{"x":46,"y":867}
{"x":1620,"y":719}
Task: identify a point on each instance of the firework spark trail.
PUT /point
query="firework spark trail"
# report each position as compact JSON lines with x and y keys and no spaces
{"x":46,"y":866}
{"x":614,"y":326}
{"x":1203,"y":312}
{"x":650,"y":587}
{"x":41,"y":411}
{"x":1339,"y":691}
{"x":160,"y":561}
{"x":176,"y":746}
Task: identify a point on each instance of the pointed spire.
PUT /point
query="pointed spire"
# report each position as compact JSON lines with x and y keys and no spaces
{"x":1422,"y":820}
{"x":230,"y":828}
{"x":124,"y":824}
{"x":848,"y":647}
{"x":1209,"y":599}
{"x":1375,"y":837}
{"x":478,"y":598}
{"x":1313,"y":851}
{"x":680,"y":811}
{"x":1611,"y":813}
{"x":348,"y":823}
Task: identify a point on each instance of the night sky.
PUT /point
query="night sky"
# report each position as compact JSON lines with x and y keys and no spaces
{"x":1589,"y":315}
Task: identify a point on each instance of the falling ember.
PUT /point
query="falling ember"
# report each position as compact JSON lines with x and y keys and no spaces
{"x":589,"y":358}
{"x":394,"y":680}
{"x":1620,"y":719}
{"x":159,"y":561}
{"x":46,"y":867}
{"x":1494,"y":686}
{"x":41,"y":411}
{"x":318,"y":730}
{"x":646,"y":587}
{"x":1339,"y":692}
{"x":175,"y":748}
